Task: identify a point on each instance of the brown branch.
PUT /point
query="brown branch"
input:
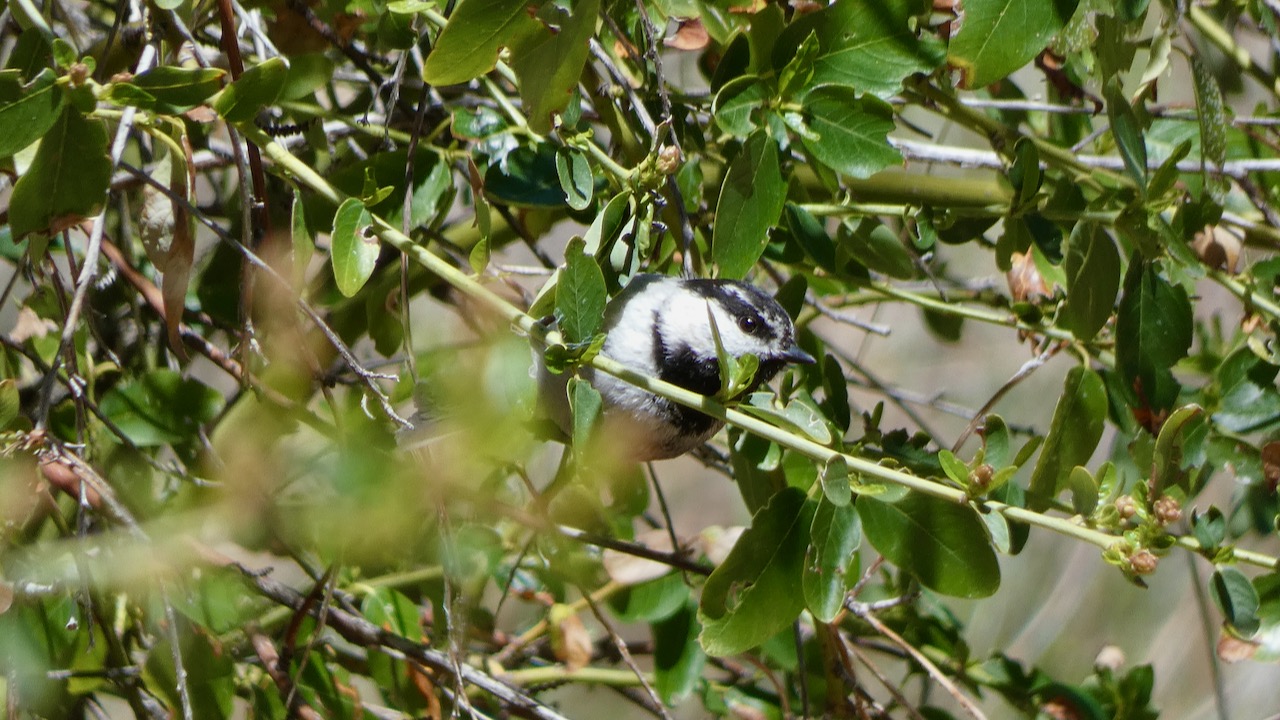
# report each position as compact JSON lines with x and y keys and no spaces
{"x":360,"y":631}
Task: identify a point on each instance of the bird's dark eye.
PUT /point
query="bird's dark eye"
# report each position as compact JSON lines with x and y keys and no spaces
{"x":748,"y":324}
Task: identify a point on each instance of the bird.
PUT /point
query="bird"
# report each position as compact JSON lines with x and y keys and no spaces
{"x":660,"y":326}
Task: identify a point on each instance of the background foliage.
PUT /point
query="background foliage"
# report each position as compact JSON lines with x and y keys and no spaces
{"x":258,"y":252}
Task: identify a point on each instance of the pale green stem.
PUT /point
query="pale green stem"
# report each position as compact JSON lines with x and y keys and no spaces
{"x":586,"y":675}
{"x":822,"y":454}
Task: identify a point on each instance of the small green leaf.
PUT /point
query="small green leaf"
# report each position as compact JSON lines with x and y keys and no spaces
{"x":752,"y":595}
{"x":1153,"y":331}
{"x":576,"y":179}
{"x":469,"y":44}
{"x":54,"y":193}
{"x":1166,"y":459}
{"x":581,"y":295}
{"x":942,"y":544}
{"x":1084,"y":491}
{"x":995,"y":442}
{"x":1210,"y":529}
{"x":587,"y":405}
{"x":27,"y":113}
{"x":750,"y":203}
{"x":1073,"y":436}
{"x":1024,"y":173}
{"x":1236,"y":597}
{"x":257,"y":88}
{"x":171,"y":90}
{"x":852,"y":132}
{"x":10,"y":403}
{"x":1127,"y":131}
{"x":1000,"y":36}
{"x":953,"y":467}
{"x":835,"y":481}
{"x":1093,"y":280}
{"x":354,"y":251}
{"x":834,"y":538}
{"x":480,"y":256}
{"x":304,"y":245}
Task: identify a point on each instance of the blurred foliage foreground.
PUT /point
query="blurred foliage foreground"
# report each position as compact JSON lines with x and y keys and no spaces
{"x":249,"y":245}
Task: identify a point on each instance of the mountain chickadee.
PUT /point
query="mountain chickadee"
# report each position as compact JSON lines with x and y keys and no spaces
{"x":659,"y":326}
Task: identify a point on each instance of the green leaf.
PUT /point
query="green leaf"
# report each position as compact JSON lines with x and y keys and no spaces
{"x":750,"y":203}
{"x":1084,"y":491}
{"x":574,"y":171}
{"x":170,"y":90}
{"x":1153,"y":331}
{"x":1236,"y":597}
{"x":161,"y":407}
{"x":870,"y":47}
{"x":548,"y":62}
{"x":875,"y":245}
{"x":580,"y":294}
{"x":953,"y":467}
{"x":527,"y":179}
{"x":942,"y":544}
{"x":1093,"y":280}
{"x":752,"y":595}
{"x":587,"y":405}
{"x":835,"y":481}
{"x":304,"y":245}
{"x":738,"y":101}
{"x":55,"y":194}
{"x":1127,"y":131}
{"x":257,"y":88}
{"x":354,"y":251}
{"x":1073,"y":436}
{"x":1247,"y":397}
{"x":27,"y":113}
{"x":834,"y":538}
{"x":852,"y":132}
{"x":1167,"y":455}
{"x":10,"y":403}
{"x":677,"y":658}
{"x":999,"y":36}
{"x":995,"y":442}
{"x":469,"y":44}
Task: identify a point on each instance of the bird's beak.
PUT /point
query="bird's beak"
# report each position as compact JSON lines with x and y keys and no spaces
{"x":794,"y":354}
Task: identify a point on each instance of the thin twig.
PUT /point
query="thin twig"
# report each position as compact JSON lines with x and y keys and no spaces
{"x":621,"y":645}
{"x":1023,"y":373}
{"x":967,"y":704}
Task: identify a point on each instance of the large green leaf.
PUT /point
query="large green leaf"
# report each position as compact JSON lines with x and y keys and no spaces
{"x":1237,"y":599}
{"x":67,"y":180}
{"x":469,"y":44}
{"x":852,"y":133}
{"x":354,"y":251}
{"x":870,"y":47}
{"x":1093,"y":280}
{"x":549,"y":61}
{"x":753,"y":594}
{"x":830,"y":564}
{"x":750,"y":203}
{"x":999,"y":36}
{"x":1073,"y":436}
{"x":1153,"y":331}
{"x":27,"y":113}
{"x":1127,"y":129}
{"x":942,"y":544}
{"x":580,"y":294}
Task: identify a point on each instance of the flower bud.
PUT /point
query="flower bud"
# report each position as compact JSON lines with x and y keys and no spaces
{"x":1167,"y":510}
{"x":1126,"y":506}
{"x":1143,"y":562}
